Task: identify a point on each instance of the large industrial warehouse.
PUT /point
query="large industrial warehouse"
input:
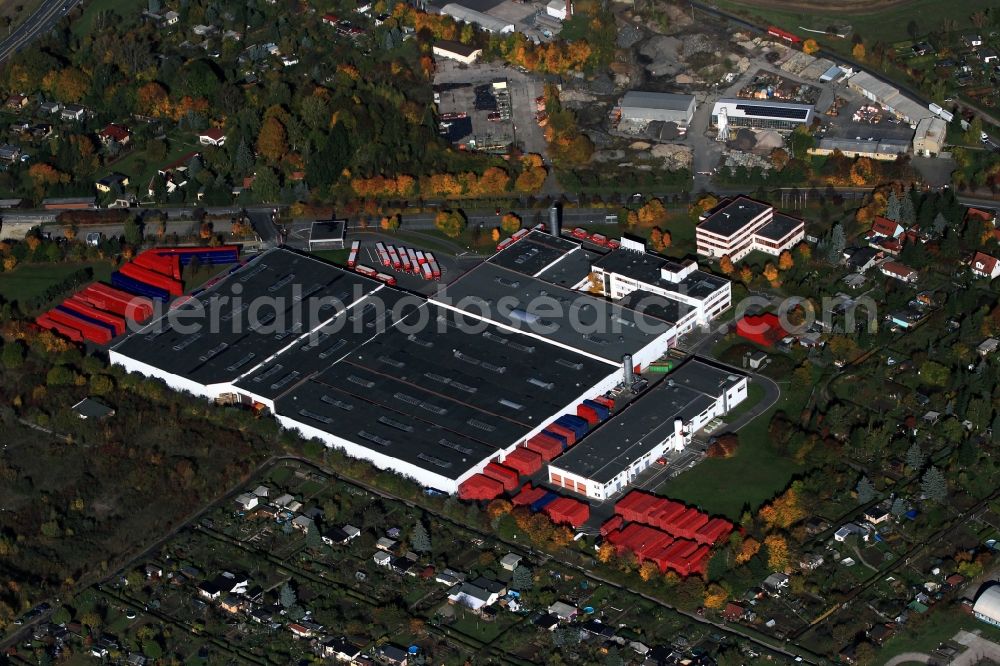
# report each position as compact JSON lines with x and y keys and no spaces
{"x":430,"y":388}
{"x":762,"y":114}
{"x":649,"y":106}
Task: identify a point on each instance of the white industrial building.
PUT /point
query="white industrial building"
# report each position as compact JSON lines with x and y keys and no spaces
{"x":761,"y":114}
{"x":930,"y":137}
{"x":987,"y":606}
{"x":663,"y":420}
{"x":558,"y":9}
{"x":649,"y":106}
{"x":430,"y":388}
{"x":888,"y":97}
{"x":463,"y":53}
{"x":484,"y":21}
{"x":737,"y":227}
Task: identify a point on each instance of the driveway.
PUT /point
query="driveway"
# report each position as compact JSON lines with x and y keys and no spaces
{"x":910,"y":658}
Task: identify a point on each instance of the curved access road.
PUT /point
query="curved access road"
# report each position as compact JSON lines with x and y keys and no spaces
{"x":44,"y":19}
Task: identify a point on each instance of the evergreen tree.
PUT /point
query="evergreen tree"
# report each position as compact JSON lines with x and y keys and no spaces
{"x":907,"y":213}
{"x":522,"y":578}
{"x":13,"y":354}
{"x":313,"y":538}
{"x":420,"y":540}
{"x":898,"y":508}
{"x":838,"y":241}
{"x":892,"y":207}
{"x":287,"y":596}
{"x":934,"y":485}
{"x":244,"y":159}
{"x":866,"y":491}
{"x":915,"y":457}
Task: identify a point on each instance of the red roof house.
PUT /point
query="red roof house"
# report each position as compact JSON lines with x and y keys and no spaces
{"x":114,"y":132}
{"x":984,"y":265}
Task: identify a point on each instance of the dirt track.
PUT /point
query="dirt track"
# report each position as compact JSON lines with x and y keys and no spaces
{"x":830,"y":7}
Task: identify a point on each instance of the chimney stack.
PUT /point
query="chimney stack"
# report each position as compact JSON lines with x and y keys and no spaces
{"x":628,"y":370}
{"x":554,"y":220}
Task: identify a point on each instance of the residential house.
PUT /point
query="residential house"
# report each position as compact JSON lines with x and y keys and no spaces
{"x":16,"y":102}
{"x":171,"y":18}
{"x":449,"y":577}
{"x":73,"y":112}
{"x":88,"y":408}
{"x":339,"y":648}
{"x":117,"y":133}
{"x":987,"y":215}
{"x":111,"y":182}
{"x":246,"y":501}
{"x":457,"y":51}
{"x":363,"y":6}
{"x":472,"y":596}
{"x":302,"y":523}
{"x":811,"y":562}
{"x":985,"y":266}
{"x":9,"y":153}
{"x":204,"y":30}
{"x":393,"y":655}
{"x":213,"y":136}
{"x":232,"y":604}
{"x":885,"y":228}
{"x":847,"y":530}
{"x":331,"y":20}
{"x":598,"y":629}
{"x":733,"y":612}
{"x":880,"y":633}
{"x":988,"y":55}
{"x":174,"y":174}
{"x":776,"y":582}
{"x":338,"y":536}
{"x":382,"y":558}
{"x":262,"y":491}
{"x":876,"y":515}
{"x":854,"y":280}
{"x":386,"y":544}
{"x":860,"y":259}
{"x":896,"y":270}
{"x":563,"y":611}
{"x":972,"y":39}
{"x":547,"y":621}
{"x":153,"y":571}
{"x":510,"y":561}
{"x":49,"y":107}
{"x":300,"y":630}
{"x":988,"y":346}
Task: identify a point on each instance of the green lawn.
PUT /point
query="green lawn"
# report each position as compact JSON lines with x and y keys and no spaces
{"x":723,"y":485}
{"x":85,"y":23}
{"x":888,"y":25}
{"x":29,"y":281}
{"x":940,"y":626}
{"x":333,"y":256}
{"x":140,"y":168}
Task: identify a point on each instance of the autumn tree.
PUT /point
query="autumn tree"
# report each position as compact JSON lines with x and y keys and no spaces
{"x":779,"y":158}
{"x":771,"y":274}
{"x":44,"y":175}
{"x":747,"y":550}
{"x":862,"y":171}
{"x":605,"y":552}
{"x":390,"y":222}
{"x":859,"y":51}
{"x":495,"y":235}
{"x":784,"y":510}
{"x":510,"y":223}
{"x":656,"y":239}
{"x":810,"y":46}
{"x":726,"y":265}
{"x":777,"y":552}
{"x":531,"y":180}
{"x":785,"y":260}
{"x":648,"y":570}
{"x":715,"y":596}
{"x":272,"y":141}
{"x":152,"y":100}
{"x":746,"y":274}
{"x":652,"y":213}
{"x":450,"y":222}
{"x":704,"y":203}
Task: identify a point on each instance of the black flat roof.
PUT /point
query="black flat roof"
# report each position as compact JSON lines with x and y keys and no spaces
{"x":614,"y":445}
{"x":529,"y":256}
{"x":564,"y":316}
{"x":442,"y":391}
{"x":571,"y":269}
{"x":326,"y":230}
{"x":654,"y":305}
{"x":278,"y":289}
{"x":779,"y":227}
{"x":311,"y":354}
{"x":645,"y":267}
{"x":732,"y":217}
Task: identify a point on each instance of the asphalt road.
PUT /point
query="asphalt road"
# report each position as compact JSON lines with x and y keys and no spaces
{"x":45,"y":18}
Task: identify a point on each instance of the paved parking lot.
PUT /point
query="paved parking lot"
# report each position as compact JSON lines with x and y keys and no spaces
{"x":523,"y":89}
